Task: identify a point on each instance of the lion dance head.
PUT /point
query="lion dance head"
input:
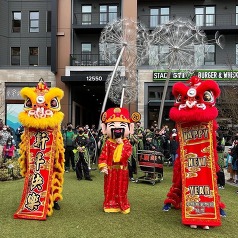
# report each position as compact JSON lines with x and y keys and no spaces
{"x":41,"y":106}
{"x":195,"y":101}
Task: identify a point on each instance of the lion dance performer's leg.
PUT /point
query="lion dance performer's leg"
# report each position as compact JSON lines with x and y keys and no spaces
{"x":174,"y":194}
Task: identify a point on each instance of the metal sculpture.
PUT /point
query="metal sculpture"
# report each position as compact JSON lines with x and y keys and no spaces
{"x":179,"y":44}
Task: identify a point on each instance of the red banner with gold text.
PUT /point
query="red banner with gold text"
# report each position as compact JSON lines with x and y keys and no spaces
{"x":38,"y":179}
{"x":200,"y":204}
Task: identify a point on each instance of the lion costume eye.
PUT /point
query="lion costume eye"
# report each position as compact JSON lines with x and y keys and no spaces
{"x":28,"y":103}
{"x":54,"y":103}
{"x":208,"y":96}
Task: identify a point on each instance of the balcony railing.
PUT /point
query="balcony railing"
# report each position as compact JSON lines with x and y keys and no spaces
{"x":214,"y":20}
{"x":91,"y":60}
{"x":151,"y":21}
{"x":94,"y":18}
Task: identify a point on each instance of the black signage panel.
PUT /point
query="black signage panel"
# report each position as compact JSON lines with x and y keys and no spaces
{"x":89,"y":76}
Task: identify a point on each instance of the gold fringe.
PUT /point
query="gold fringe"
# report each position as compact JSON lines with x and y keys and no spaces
{"x":22,"y":151}
{"x":58,"y":179}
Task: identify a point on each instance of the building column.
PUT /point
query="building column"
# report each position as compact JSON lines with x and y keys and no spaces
{"x":63,"y":34}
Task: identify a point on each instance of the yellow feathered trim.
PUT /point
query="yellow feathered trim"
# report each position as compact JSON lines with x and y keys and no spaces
{"x":117,"y":153}
{"x":22,"y":151}
{"x":27,"y":92}
{"x":57,"y":179}
{"x":56,"y":92}
{"x":41,"y":123}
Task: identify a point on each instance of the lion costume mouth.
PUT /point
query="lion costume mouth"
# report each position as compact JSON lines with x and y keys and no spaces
{"x":40,"y":112}
{"x":192,"y":105}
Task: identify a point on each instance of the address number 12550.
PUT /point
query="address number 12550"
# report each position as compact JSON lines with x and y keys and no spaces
{"x":94,"y":78}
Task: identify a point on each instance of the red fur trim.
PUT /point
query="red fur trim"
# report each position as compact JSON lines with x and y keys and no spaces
{"x":187,"y":115}
{"x":209,"y":85}
{"x":222,"y":205}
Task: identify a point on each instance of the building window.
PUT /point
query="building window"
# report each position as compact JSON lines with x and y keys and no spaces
{"x":15,"y":55}
{"x":159,"y":55}
{"x":210,"y":55}
{"x":33,"y":56}
{"x":236,"y":53}
{"x":48,"y":55}
{"x":156,"y":93}
{"x":86,"y":15}
{"x":34,"y":22}
{"x":236,"y":15}
{"x":106,"y":55}
{"x":86,"y":53}
{"x":205,"y":16}
{"x":159,"y":16}
{"x":108,"y":13}
{"x":86,"y":48}
{"x":204,"y":55}
{"x":48,"y":20}
{"x":16,"y":21}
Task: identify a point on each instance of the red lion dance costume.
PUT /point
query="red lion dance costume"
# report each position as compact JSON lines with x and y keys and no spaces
{"x":42,"y":152}
{"x":113,"y":160}
{"x":195,"y":170}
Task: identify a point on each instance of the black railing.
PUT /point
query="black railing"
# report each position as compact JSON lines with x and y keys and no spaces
{"x":202,"y":20}
{"x":94,"y":18}
{"x":151,"y":21}
{"x":91,"y":60}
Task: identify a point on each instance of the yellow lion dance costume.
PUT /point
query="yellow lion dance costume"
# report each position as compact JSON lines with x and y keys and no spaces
{"x":41,"y":152}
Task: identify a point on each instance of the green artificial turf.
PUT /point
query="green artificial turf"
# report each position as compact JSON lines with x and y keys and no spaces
{"x":81,"y":213}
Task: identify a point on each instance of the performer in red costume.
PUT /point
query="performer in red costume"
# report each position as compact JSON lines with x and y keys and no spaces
{"x":113,"y":160}
{"x":194,"y":185}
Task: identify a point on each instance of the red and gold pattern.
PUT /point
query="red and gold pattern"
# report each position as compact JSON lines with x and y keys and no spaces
{"x":116,"y":181}
{"x":200,"y":204}
{"x":113,"y":160}
{"x":119,"y":114}
{"x":37,"y":192}
{"x":41,"y":152}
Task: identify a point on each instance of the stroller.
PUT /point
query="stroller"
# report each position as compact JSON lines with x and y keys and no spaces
{"x":151,"y":163}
